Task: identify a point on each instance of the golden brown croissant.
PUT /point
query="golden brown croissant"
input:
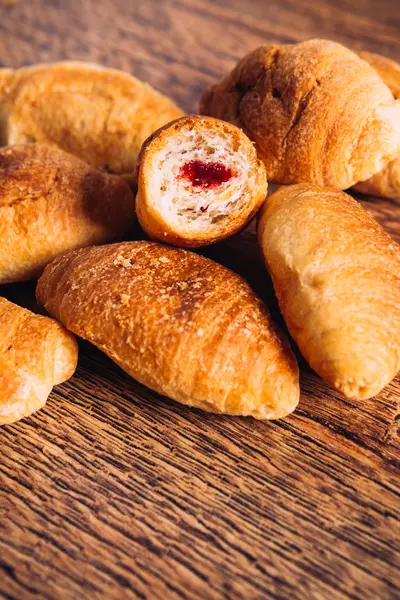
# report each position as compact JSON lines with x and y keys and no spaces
{"x":36,"y":353}
{"x":100,"y":115}
{"x":180,"y":323}
{"x":388,"y":70}
{"x":51,"y":202}
{"x":199,"y":181}
{"x":336,"y":274}
{"x":386,"y":183}
{"x":317,"y":112}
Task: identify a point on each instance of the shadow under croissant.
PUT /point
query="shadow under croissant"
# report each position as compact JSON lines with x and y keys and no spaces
{"x":382,"y":210}
{"x":101,"y":388}
{"x":23,"y":294}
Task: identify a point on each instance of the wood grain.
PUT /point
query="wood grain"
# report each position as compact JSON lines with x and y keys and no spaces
{"x":113,"y":492}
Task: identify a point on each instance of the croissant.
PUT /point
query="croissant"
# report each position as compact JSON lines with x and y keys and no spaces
{"x":35,"y":354}
{"x":199,"y":181}
{"x":386,"y":183}
{"x":336,"y":274}
{"x":317,"y":112}
{"x":179,"y":323}
{"x":100,"y":115}
{"x":51,"y":202}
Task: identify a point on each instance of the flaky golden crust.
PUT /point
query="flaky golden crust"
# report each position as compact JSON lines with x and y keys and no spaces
{"x":317,"y":112}
{"x":177,"y":322}
{"x":386,"y":183}
{"x":51,"y":202}
{"x":35,"y":354}
{"x":336,"y":274}
{"x":156,"y":224}
{"x":100,"y":115}
{"x":387,"y":68}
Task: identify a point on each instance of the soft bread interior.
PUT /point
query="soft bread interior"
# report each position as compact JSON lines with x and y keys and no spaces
{"x":191,"y":208}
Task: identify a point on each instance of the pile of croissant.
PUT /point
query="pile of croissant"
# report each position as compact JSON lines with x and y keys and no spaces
{"x":91,"y":158}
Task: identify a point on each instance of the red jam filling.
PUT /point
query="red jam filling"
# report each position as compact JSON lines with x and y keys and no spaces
{"x":205,"y":175}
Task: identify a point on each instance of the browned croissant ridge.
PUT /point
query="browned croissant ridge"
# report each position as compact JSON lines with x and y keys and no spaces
{"x":51,"y":202}
{"x":179,"y":323}
{"x":317,"y":112}
{"x":36,"y":353}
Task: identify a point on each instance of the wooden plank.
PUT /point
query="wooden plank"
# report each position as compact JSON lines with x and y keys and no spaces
{"x":113,"y":492}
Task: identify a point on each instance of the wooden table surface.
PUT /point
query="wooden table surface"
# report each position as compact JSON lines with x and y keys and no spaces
{"x":113,"y":492}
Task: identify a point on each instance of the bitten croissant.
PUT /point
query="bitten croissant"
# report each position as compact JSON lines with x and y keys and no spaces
{"x":199,"y":181}
{"x":51,"y":202}
{"x":100,"y":115}
{"x":317,"y":112}
{"x":177,"y":322}
{"x":336,"y":274}
{"x":36,"y":353}
{"x":386,"y":183}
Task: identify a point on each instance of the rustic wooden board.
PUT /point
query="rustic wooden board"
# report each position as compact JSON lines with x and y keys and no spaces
{"x":114,"y":492}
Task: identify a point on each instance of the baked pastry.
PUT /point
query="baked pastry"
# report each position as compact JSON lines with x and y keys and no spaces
{"x":100,"y":115}
{"x":179,"y":323}
{"x":388,"y":70}
{"x":51,"y":202}
{"x":317,"y":112}
{"x":336,"y":274}
{"x":36,"y":353}
{"x":199,"y":181}
{"x":386,"y":183}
